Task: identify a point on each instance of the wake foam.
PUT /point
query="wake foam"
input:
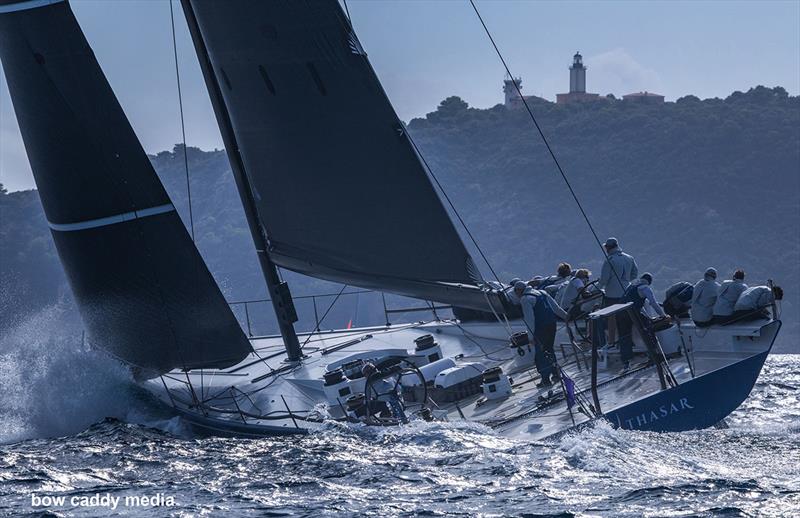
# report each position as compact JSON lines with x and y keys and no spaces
{"x":51,"y":384}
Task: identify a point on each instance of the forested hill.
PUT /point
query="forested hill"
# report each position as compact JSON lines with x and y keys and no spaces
{"x":683,"y":185}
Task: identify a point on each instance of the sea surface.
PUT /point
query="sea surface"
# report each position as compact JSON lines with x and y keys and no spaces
{"x":72,"y":424}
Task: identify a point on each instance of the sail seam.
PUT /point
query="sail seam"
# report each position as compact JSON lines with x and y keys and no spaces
{"x":26,"y":5}
{"x":112,"y":220}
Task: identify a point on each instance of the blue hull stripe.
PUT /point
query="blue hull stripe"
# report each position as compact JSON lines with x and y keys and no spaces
{"x":112,"y":220}
{"x":699,"y":403}
{"x":27,"y":4}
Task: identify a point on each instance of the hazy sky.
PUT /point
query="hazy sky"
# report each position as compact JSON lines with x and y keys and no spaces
{"x":426,"y":50}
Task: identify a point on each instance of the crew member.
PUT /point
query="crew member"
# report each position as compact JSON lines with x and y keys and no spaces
{"x":567,"y":296}
{"x":552,"y":283}
{"x":540,"y":313}
{"x":619,"y":269}
{"x":509,"y":291}
{"x":383,"y":395}
{"x":678,"y":299}
{"x":753,"y":302}
{"x":728,"y":294}
{"x":536,"y":282}
{"x":640,"y":293}
{"x":703,"y":299}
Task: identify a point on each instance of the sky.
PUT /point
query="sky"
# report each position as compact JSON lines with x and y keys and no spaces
{"x":426,"y":50}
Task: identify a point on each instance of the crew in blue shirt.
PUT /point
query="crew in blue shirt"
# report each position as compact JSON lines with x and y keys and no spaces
{"x":540,"y":314}
{"x":678,"y":299}
{"x":640,"y":293}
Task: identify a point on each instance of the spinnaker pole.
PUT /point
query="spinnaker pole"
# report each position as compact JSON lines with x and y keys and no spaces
{"x":278,"y":291}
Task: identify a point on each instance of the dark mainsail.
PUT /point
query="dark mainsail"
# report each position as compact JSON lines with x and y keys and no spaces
{"x":335,"y":180}
{"x":143,"y":290}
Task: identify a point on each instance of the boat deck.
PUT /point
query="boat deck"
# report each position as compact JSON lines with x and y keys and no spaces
{"x":267,"y":395}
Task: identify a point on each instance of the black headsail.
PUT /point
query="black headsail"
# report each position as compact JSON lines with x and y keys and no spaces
{"x":143,"y":290}
{"x":336,"y":182}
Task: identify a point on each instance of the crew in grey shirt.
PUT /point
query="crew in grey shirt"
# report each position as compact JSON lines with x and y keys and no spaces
{"x":509,"y":291}
{"x":727,"y":296}
{"x":753,"y":302}
{"x":567,"y":295}
{"x":619,"y":269}
{"x":755,"y":298}
{"x":704,"y":298}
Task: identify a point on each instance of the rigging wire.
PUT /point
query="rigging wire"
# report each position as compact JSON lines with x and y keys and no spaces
{"x":553,"y":156}
{"x":183,"y":124}
{"x":441,"y":189}
{"x":186,"y":168}
{"x":450,"y":202}
{"x":433,"y":176}
{"x":319,"y":323}
{"x":549,"y":149}
{"x":544,"y":139}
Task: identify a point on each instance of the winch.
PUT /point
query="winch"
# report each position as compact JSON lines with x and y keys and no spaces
{"x":496,"y":384}
{"x":337,"y":388}
{"x":426,"y":350}
{"x":356,"y":405}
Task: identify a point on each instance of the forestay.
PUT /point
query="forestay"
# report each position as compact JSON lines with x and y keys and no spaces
{"x":338,"y":186}
{"x":143,"y":290}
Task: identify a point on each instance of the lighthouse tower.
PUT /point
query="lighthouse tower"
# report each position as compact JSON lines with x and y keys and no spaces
{"x":511,"y":92}
{"x":577,"y":75}
{"x":577,"y":84}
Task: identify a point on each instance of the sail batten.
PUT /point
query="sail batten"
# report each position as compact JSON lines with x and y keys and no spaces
{"x":24,"y":5}
{"x":111,"y":220}
{"x":338,"y":186}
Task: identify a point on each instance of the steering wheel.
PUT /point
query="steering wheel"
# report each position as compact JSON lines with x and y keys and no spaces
{"x":586,"y":287}
{"x":578,"y":302}
{"x":396,"y":372}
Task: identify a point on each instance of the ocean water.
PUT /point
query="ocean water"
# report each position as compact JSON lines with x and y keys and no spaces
{"x":73,"y":425}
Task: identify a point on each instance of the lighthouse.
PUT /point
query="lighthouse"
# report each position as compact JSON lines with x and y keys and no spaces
{"x":577,"y":75}
{"x":577,"y":84}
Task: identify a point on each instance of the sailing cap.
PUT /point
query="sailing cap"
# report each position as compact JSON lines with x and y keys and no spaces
{"x":648,"y":277}
{"x":712,"y":272}
{"x":611,"y":242}
{"x":513,"y":281}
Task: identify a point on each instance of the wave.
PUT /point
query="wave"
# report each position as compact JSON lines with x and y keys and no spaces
{"x":53,"y":384}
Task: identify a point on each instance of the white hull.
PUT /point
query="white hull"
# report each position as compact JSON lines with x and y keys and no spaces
{"x":265,"y":396}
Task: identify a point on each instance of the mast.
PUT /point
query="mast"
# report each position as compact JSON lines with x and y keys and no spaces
{"x":278,"y":291}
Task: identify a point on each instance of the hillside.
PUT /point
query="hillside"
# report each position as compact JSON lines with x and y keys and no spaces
{"x":683,"y":185}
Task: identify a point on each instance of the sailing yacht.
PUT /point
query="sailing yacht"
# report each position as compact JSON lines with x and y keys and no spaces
{"x":317,"y":153}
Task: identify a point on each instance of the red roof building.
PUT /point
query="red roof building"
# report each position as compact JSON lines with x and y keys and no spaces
{"x":644,"y":97}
